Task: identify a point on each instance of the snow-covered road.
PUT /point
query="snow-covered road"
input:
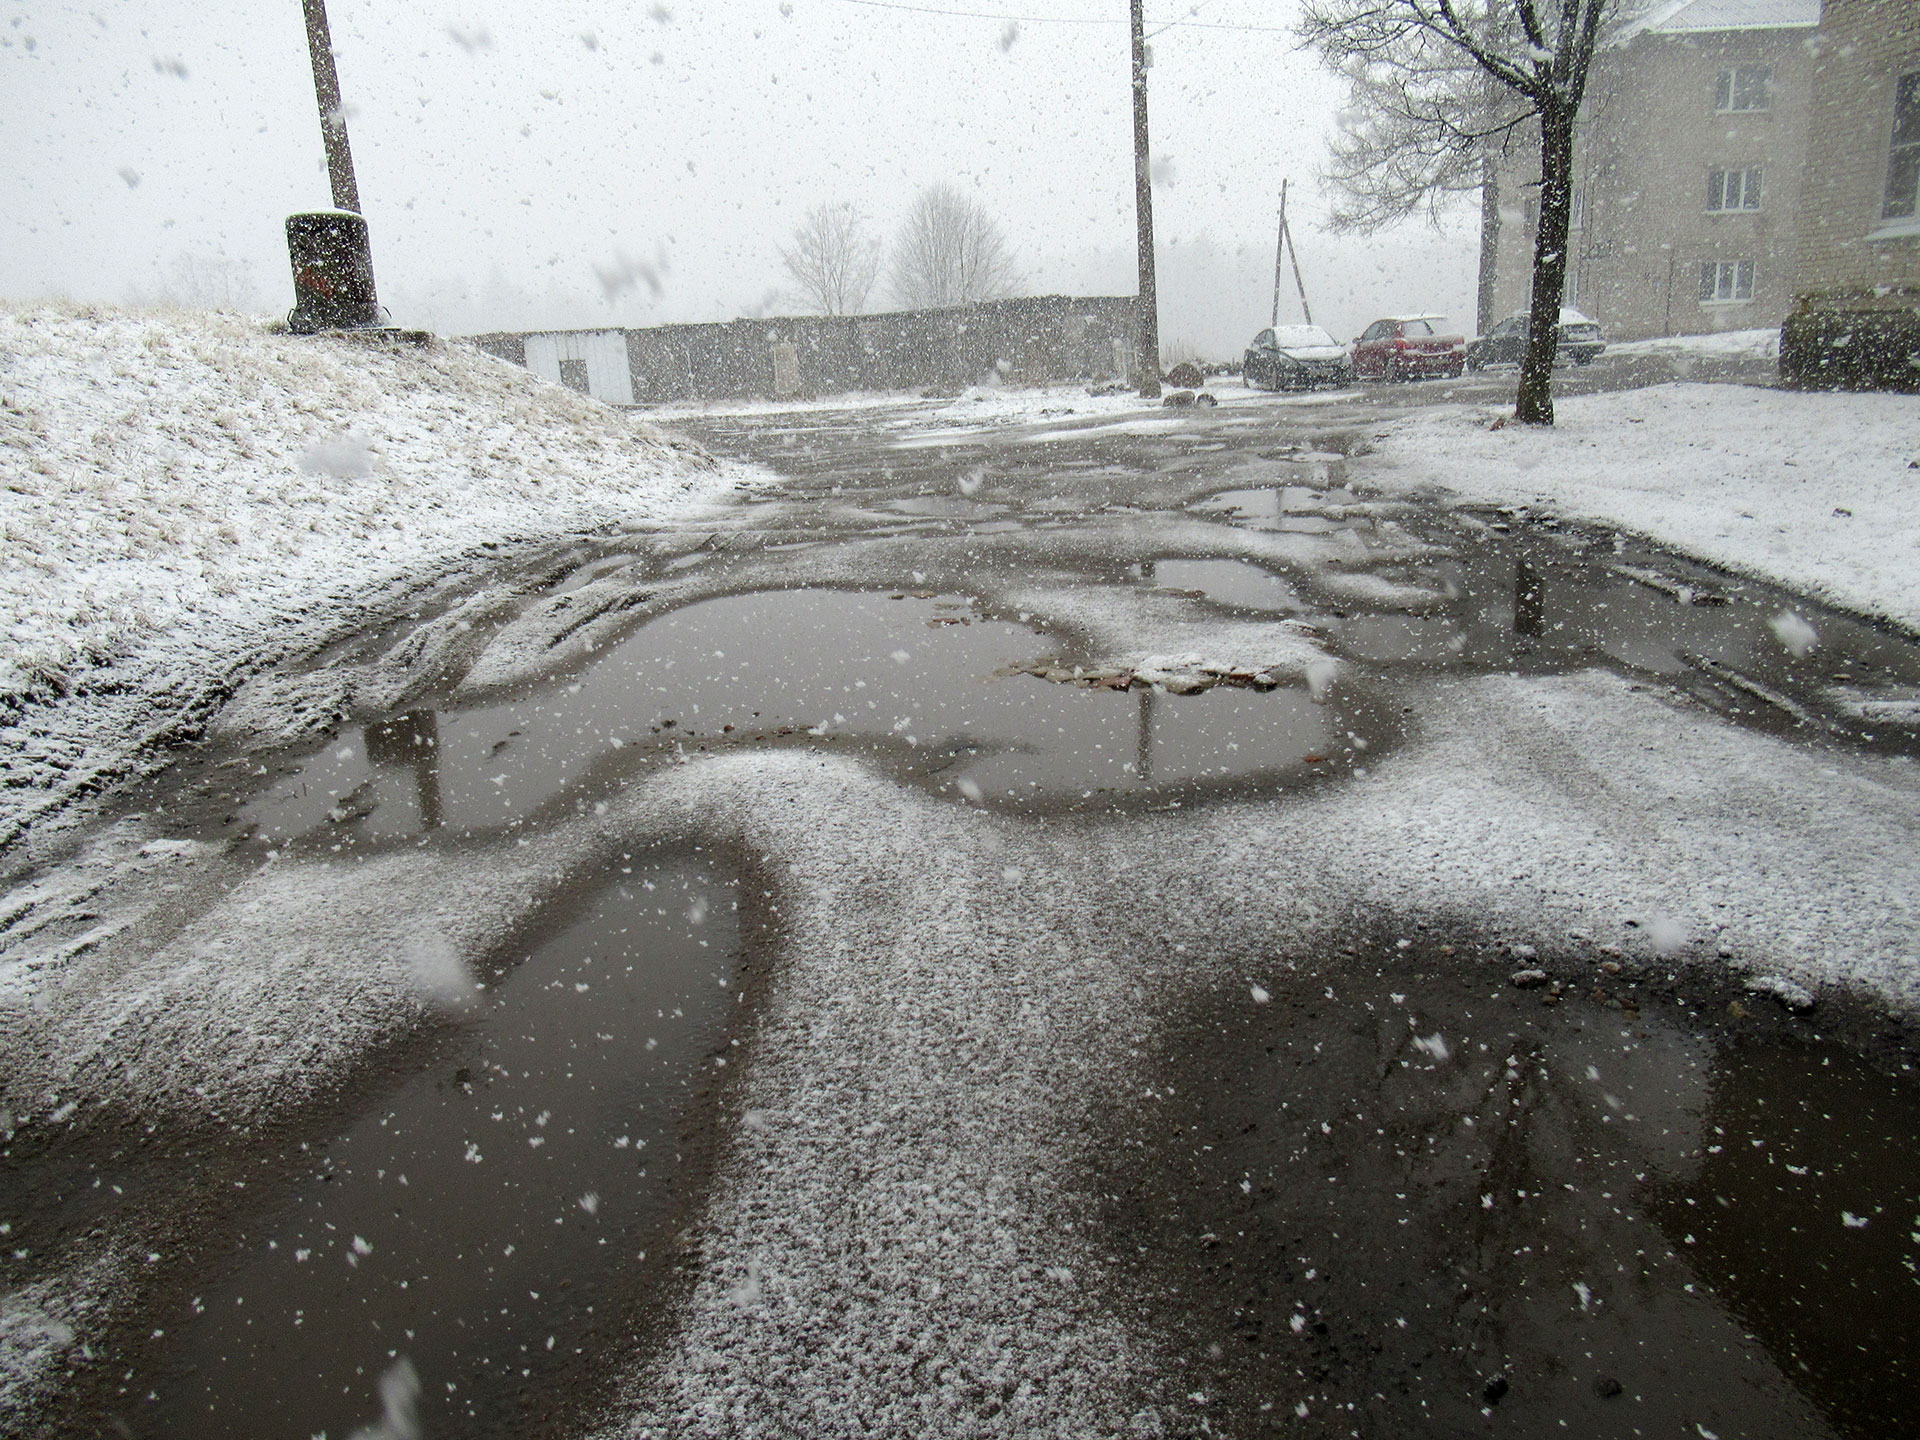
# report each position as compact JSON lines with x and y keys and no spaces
{"x":1016,"y":758}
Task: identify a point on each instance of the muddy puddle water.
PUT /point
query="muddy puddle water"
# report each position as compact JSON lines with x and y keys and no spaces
{"x":485,"y":1223}
{"x":1509,"y":594}
{"x":1405,"y":1198}
{"x":910,"y":676}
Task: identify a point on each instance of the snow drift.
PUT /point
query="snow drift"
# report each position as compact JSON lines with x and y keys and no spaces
{"x":186,"y":498}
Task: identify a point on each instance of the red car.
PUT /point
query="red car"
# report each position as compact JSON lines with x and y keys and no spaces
{"x":1408,"y":347}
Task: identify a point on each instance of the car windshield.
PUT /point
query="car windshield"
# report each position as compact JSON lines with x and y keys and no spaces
{"x":1296,"y":337}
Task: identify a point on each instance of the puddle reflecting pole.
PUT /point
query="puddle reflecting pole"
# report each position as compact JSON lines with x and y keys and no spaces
{"x":1529,"y":601}
{"x":1148,"y":305}
{"x":1143,"y":738}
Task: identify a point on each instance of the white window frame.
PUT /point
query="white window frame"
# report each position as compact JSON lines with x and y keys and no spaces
{"x":1727,"y":90}
{"x":1904,"y":206}
{"x":1734,"y":192}
{"x":1727,"y":282}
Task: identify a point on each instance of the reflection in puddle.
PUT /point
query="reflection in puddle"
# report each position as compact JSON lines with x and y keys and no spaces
{"x":481,"y":1221}
{"x":1411,"y":1179}
{"x":900,"y":671}
{"x":1509,"y":595}
{"x":1231,"y":582}
{"x":1804,"y":1216}
{"x":1110,"y":742}
{"x":1297,"y":509}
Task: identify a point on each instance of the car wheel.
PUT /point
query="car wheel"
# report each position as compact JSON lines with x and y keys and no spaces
{"x":1250,"y":374}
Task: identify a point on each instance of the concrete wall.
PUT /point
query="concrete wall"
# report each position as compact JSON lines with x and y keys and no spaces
{"x":1649,"y":136}
{"x":1849,"y":253}
{"x":1027,"y":341}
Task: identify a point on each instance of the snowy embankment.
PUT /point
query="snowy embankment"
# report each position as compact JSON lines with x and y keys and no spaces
{"x":1817,"y":492}
{"x":186,"y":498}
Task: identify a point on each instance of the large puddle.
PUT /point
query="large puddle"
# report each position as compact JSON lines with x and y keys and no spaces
{"x":486,"y":1222}
{"x":1403,"y":1198}
{"x":1506,"y":595}
{"x":911,"y":677}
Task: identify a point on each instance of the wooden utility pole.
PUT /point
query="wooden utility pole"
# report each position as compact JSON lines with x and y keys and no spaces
{"x":1283,"y":247}
{"x":333,"y":119}
{"x":1149,"y":301}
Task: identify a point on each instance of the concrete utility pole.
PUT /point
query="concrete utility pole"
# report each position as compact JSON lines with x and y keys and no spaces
{"x":333,"y":119}
{"x":1149,"y":302}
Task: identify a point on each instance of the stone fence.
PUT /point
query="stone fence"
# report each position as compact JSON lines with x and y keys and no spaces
{"x":1029,"y":341}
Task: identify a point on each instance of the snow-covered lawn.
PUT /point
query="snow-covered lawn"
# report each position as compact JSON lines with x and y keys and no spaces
{"x":1728,"y":344}
{"x":1818,"y":492}
{"x":187,"y":497}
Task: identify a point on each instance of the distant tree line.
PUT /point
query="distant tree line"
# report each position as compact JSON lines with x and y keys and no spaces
{"x":948,"y":251}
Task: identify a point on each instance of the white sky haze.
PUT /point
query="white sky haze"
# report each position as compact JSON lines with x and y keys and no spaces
{"x":510,"y":155}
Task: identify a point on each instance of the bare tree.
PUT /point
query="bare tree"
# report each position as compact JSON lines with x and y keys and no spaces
{"x":1539,"y":51}
{"x":949,"y":252}
{"x":203,"y":282}
{"x":833,"y":260}
{"x":1414,"y":140}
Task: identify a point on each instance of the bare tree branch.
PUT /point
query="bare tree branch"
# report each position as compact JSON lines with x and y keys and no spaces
{"x":949,"y":252}
{"x":833,"y":260}
{"x":1430,"y":123}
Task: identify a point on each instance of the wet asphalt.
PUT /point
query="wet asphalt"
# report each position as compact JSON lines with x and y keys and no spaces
{"x":1352,"y":1228}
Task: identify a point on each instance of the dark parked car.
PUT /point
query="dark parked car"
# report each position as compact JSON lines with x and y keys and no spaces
{"x":1408,"y":347}
{"x":1295,"y":357}
{"x":1506,"y":343}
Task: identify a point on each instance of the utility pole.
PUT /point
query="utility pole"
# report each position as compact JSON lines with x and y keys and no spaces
{"x":1279,"y":252}
{"x":1283,"y":247}
{"x":332,"y":258}
{"x":1149,"y":301}
{"x":333,"y":118}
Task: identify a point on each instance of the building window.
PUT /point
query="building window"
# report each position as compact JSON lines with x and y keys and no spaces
{"x":1744,"y":87}
{"x":573,"y":375}
{"x":1724,"y":281}
{"x":1903,"y":166}
{"x":1733,"y":189}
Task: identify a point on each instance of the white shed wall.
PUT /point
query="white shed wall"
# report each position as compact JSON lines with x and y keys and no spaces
{"x":605,"y":352}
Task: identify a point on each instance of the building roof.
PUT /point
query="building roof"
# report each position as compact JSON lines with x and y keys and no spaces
{"x":1693,"y":17}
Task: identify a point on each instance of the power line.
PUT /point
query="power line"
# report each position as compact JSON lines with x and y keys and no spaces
{"x":1062,"y":19}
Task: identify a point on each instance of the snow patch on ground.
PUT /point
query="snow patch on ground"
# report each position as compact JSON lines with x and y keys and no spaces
{"x":1742,"y":344}
{"x":1817,"y":492}
{"x":185,"y":498}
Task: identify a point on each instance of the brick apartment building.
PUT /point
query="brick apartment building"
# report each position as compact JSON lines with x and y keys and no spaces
{"x":1688,"y":163}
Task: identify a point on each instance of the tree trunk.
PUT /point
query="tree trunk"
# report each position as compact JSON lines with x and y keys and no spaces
{"x":1535,"y":401}
{"x":1489,"y":242}
{"x":1149,"y":302}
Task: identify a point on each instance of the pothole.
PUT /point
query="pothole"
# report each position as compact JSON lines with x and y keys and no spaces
{"x":910,"y":677}
{"x":486,"y":1221}
{"x":1399,"y":1194}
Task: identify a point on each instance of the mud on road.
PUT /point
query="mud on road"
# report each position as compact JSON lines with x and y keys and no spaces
{"x":403,"y":1019}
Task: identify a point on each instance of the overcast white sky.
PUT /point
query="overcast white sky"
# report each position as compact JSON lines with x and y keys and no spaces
{"x":509,"y":154}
